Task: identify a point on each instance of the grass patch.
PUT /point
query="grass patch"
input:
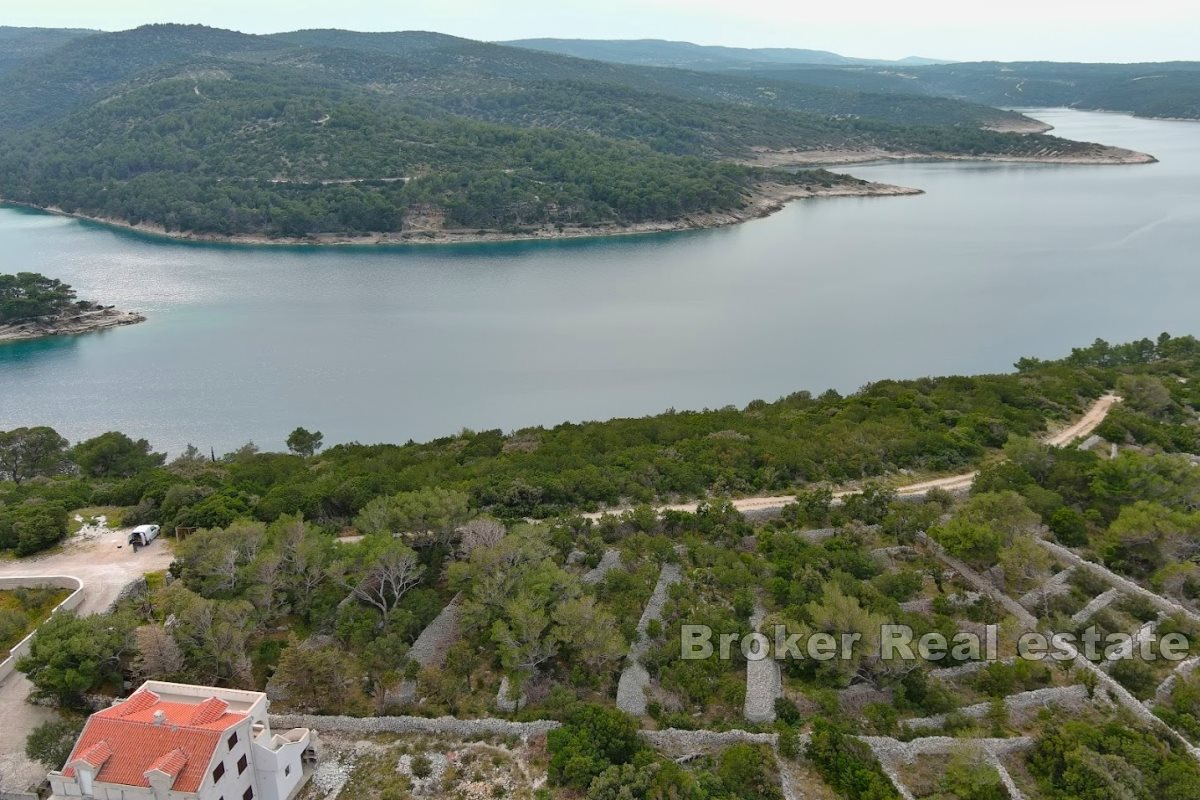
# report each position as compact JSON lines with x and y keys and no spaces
{"x":22,"y":610}
{"x":113,"y":515}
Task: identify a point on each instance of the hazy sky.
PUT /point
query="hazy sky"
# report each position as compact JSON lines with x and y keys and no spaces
{"x":1076,"y":30}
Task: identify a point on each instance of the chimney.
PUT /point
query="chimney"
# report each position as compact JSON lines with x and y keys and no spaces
{"x":160,"y":717}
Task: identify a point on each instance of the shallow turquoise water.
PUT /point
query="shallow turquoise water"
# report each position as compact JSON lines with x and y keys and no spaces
{"x":386,"y":344}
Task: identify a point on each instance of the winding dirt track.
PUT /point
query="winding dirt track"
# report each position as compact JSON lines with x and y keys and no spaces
{"x":1082,"y":427}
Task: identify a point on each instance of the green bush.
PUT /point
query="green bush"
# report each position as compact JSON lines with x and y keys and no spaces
{"x":50,"y":743}
{"x":847,"y":764}
{"x":592,"y":739}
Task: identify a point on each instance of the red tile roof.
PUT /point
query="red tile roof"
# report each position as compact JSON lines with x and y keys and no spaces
{"x":170,"y":764}
{"x":97,"y":754}
{"x":211,"y":709}
{"x":182,"y":745}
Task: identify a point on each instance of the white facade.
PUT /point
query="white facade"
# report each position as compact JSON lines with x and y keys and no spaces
{"x":244,"y":760}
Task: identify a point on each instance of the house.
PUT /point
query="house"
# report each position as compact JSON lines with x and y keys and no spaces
{"x":174,"y":741}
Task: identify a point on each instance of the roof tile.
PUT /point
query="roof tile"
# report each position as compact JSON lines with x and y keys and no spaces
{"x":181,"y":745}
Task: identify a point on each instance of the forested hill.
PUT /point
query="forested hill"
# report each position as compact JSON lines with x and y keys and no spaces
{"x":1170,"y":89}
{"x":663,"y":53}
{"x":212,"y":132}
{"x":1150,"y":90}
{"x":19,"y":45}
{"x":1167,"y":90}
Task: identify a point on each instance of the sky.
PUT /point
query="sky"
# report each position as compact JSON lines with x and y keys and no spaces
{"x":963,"y":30}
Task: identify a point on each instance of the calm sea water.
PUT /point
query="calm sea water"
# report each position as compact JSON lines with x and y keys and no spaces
{"x":994,"y":262}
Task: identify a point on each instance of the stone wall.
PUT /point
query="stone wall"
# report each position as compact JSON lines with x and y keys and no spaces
{"x":445,"y":726}
{"x":609,"y":561}
{"x":764,"y":683}
{"x":631,"y":688}
{"x":1064,"y":696}
{"x":1163,"y":604}
{"x":980,"y":583}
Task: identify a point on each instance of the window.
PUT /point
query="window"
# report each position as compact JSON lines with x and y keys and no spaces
{"x":242,"y":764}
{"x":232,"y":740}
{"x":287,"y":770}
{"x":218,"y":772}
{"x":248,"y":794}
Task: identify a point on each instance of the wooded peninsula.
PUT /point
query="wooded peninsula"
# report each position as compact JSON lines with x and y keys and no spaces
{"x":336,"y":137}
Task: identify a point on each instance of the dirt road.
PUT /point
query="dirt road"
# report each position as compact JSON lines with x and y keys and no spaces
{"x":1082,"y":427}
{"x":106,"y":565}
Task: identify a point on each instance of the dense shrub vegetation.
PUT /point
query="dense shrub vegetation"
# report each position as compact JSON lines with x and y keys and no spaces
{"x":262,"y":593}
{"x":28,"y":294}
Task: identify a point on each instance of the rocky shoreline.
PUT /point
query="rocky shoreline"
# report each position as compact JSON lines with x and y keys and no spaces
{"x":766,"y":200}
{"x":69,"y":323}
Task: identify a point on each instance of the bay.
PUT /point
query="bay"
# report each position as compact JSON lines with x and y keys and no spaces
{"x":993,"y":262}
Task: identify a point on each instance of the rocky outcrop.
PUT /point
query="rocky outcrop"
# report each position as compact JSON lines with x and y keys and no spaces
{"x":69,"y":323}
{"x":504,"y":699}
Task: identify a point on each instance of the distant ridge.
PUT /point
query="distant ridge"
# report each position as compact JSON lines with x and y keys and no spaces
{"x":18,"y":45}
{"x":664,"y":53}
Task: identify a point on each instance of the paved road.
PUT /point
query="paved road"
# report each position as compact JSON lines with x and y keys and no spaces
{"x":106,"y":565}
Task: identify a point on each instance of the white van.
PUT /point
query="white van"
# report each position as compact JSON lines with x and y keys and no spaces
{"x":143,"y":535}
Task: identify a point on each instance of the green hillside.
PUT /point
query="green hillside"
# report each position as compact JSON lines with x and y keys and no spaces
{"x":663,"y":53}
{"x":205,"y":131}
{"x":19,"y":45}
{"x":1169,"y":89}
{"x":440,"y":67}
{"x":1150,"y":90}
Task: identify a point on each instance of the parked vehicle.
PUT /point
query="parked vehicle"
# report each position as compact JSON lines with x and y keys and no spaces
{"x":142,"y":535}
